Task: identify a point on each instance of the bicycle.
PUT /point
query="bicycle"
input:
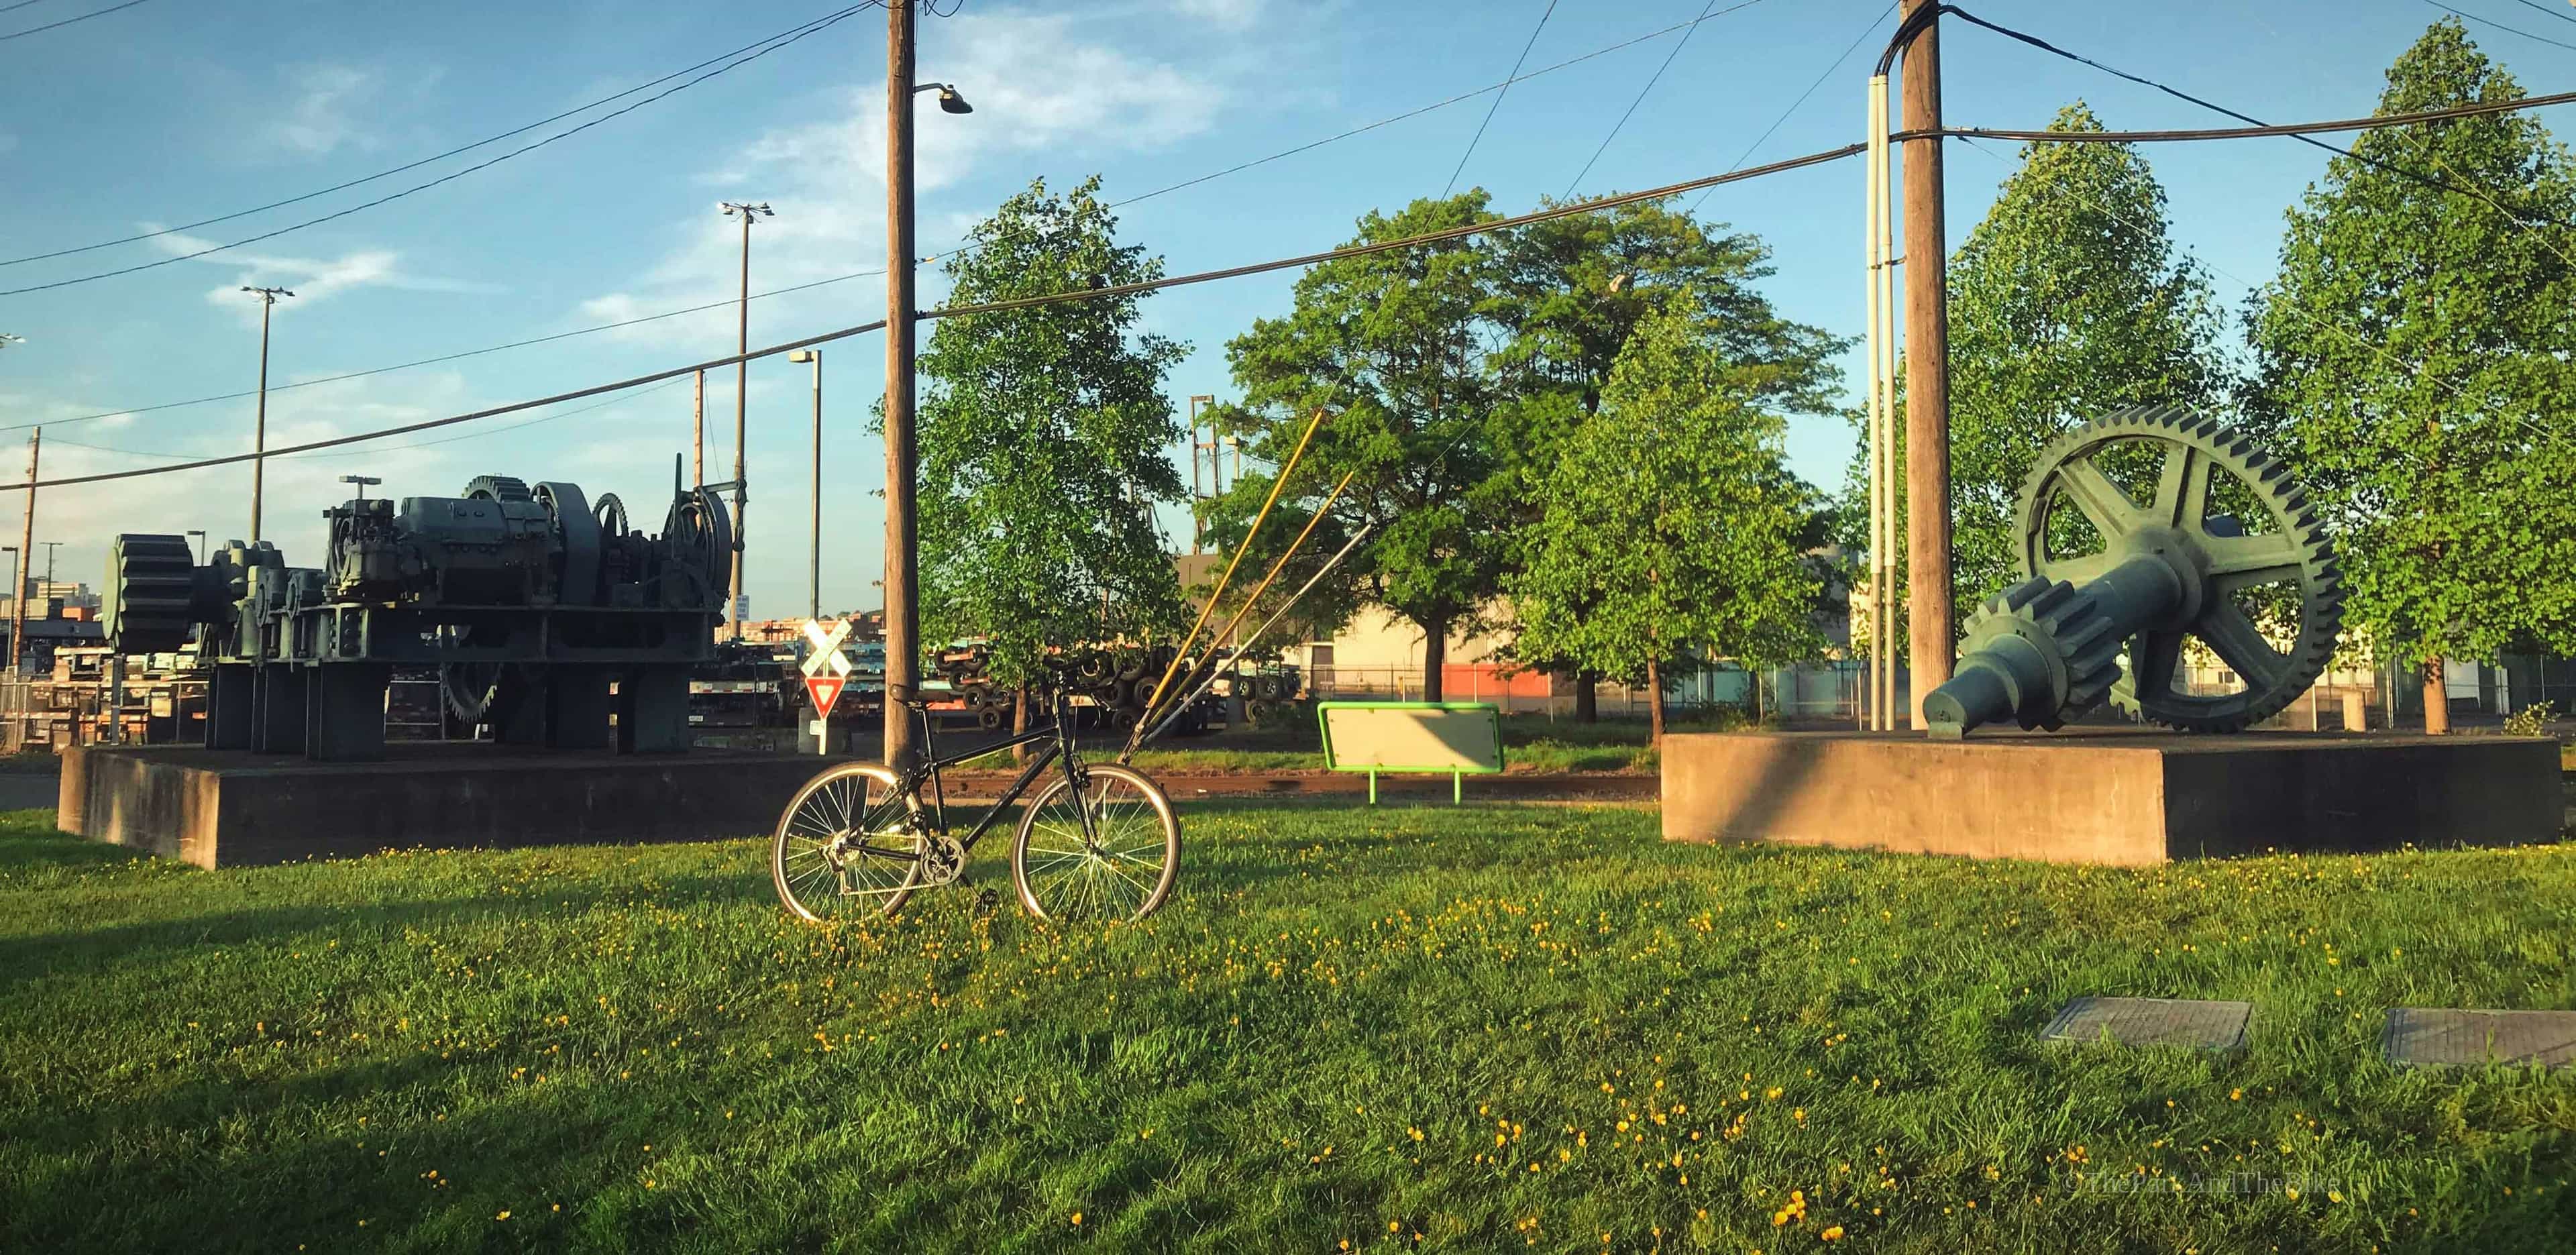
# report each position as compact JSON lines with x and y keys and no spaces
{"x":1099,"y":842}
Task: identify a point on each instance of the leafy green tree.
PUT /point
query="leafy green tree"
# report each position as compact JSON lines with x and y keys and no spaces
{"x":1043,"y":436}
{"x":1671,"y":528}
{"x":1573,"y":290}
{"x":2067,"y":301}
{"x":1392,"y":347}
{"x":2418,"y":360}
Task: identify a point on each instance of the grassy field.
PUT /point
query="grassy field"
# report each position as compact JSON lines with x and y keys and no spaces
{"x":1463,"y":1030}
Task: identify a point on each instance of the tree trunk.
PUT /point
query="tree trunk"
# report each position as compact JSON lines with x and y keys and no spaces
{"x":1435,"y":655}
{"x":2437,"y":700}
{"x":1020,"y":722}
{"x":1587,"y":696}
{"x":1654,"y":705}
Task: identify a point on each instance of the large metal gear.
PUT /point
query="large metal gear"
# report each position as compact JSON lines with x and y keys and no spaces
{"x":2177,"y":561}
{"x":151,"y":593}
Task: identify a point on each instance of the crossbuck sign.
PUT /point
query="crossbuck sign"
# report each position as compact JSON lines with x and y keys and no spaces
{"x":827,"y":669}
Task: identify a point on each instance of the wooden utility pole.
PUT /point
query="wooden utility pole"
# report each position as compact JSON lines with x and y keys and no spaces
{"x":1927,"y":373}
{"x":26,"y":556}
{"x":698,"y":435}
{"x":902,"y":557}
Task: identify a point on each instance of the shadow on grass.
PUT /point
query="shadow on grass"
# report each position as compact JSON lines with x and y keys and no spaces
{"x":29,"y":840}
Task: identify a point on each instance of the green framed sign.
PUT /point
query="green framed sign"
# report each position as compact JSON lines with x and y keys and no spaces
{"x":1456,"y":739}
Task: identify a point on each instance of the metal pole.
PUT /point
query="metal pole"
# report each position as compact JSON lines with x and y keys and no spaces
{"x":259,"y":425}
{"x":26,"y":557}
{"x":698,"y":434}
{"x":1927,"y":374}
{"x":902,"y":609}
{"x":1871,"y":234}
{"x":814,"y":553}
{"x":741,"y":388}
{"x":1197,"y":530}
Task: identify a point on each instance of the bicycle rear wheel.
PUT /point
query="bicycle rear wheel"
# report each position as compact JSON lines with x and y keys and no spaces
{"x":1123,"y":870}
{"x":848,"y":846}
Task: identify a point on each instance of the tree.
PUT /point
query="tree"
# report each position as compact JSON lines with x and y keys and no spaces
{"x":2414,"y":356}
{"x":2066,"y":302}
{"x":1573,"y":290}
{"x":1670,"y":527}
{"x":1044,"y":434}
{"x":1392,"y":347}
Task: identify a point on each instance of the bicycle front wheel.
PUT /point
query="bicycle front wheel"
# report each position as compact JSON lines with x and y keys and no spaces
{"x":849,"y":845}
{"x":1118,"y":867}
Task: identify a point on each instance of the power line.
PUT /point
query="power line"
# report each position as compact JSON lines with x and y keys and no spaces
{"x":12,"y":8}
{"x":2285,"y":129}
{"x":2510,"y":30}
{"x":453,"y":176}
{"x":1479,"y":136}
{"x":990,"y":307}
{"x":1801,"y":101}
{"x":462,"y":148}
{"x":38,"y":30}
{"x":472,"y":435}
{"x":862,"y":274}
{"x":2561,"y":14}
{"x":1651,"y":80}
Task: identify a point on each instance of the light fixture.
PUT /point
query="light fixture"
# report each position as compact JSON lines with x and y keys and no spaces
{"x":730,"y":208}
{"x":949,"y":100}
{"x":802,"y":356}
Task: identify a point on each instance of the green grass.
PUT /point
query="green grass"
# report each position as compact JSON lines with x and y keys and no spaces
{"x":1500,"y":1029}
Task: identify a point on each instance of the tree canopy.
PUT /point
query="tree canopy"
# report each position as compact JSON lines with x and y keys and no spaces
{"x":2417,"y":363}
{"x":1043,"y":436}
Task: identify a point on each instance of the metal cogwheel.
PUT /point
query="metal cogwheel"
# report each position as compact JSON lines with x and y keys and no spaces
{"x":2291,"y":557}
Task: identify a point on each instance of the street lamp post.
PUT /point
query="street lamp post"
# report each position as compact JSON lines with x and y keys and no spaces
{"x":902,"y":552}
{"x":200,"y":538}
{"x":814,"y":551}
{"x":259,"y":427}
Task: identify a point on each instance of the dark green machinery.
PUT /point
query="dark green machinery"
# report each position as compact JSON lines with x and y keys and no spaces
{"x":2140,"y":533}
{"x":562,"y":625}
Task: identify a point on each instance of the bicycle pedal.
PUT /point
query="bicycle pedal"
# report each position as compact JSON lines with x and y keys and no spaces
{"x":988,"y":900}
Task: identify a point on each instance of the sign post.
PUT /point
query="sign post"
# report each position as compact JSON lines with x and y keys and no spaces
{"x":827,"y":674}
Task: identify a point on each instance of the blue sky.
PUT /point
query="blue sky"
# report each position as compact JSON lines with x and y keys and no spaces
{"x":167,"y":113}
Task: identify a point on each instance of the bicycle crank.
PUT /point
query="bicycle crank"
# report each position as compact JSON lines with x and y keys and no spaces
{"x":943,"y":860}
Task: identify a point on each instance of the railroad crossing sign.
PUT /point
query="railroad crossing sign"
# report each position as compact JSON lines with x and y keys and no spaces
{"x":827,"y":669}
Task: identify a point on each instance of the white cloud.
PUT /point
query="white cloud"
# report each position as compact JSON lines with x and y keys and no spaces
{"x":328,"y":100}
{"x":1038,"y":87}
{"x":312,"y":278}
{"x":1231,"y":14}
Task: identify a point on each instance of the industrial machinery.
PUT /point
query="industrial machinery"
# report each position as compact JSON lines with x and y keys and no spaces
{"x":2140,"y":532}
{"x":545,"y":616}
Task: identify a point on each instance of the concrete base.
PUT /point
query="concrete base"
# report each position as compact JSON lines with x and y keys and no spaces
{"x":2113,"y":797}
{"x":225,"y":808}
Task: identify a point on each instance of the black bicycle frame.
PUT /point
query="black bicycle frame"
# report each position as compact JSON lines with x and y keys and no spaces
{"x":1062,"y":750}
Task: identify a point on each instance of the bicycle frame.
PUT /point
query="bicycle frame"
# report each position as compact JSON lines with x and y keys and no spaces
{"x":1061,"y":749}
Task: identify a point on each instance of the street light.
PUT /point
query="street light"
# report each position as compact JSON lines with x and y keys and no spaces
{"x":361,"y":481}
{"x":259,"y":429}
{"x":949,"y":100}
{"x":50,"y":546}
{"x":814,"y":554}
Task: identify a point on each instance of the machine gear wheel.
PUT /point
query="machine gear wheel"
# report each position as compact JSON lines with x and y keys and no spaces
{"x":2285,"y":563}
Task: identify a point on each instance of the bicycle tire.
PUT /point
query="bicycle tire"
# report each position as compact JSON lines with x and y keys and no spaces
{"x":1074,"y":881}
{"x":798,"y":856}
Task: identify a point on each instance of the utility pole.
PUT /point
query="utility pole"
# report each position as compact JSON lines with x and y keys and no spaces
{"x":50,"y":547}
{"x":698,"y":434}
{"x":1198,"y":530}
{"x":814,"y":551}
{"x":902,"y":555}
{"x":26,"y":557}
{"x":1927,"y":370}
{"x":259,"y":427}
{"x":741,"y":389}
{"x":903,"y":537}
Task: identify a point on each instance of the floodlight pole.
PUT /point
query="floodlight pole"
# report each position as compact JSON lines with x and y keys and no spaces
{"x":26,"y":556}
{"x":259,"y":426}
{"x":741,"y":391}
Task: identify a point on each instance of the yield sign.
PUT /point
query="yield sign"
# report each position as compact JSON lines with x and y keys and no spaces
{"x":825,"y":691}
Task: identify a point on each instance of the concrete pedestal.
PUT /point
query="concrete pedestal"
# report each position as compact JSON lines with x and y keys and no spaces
{"x":227,"y":808}
{"x":2109,"y":797}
